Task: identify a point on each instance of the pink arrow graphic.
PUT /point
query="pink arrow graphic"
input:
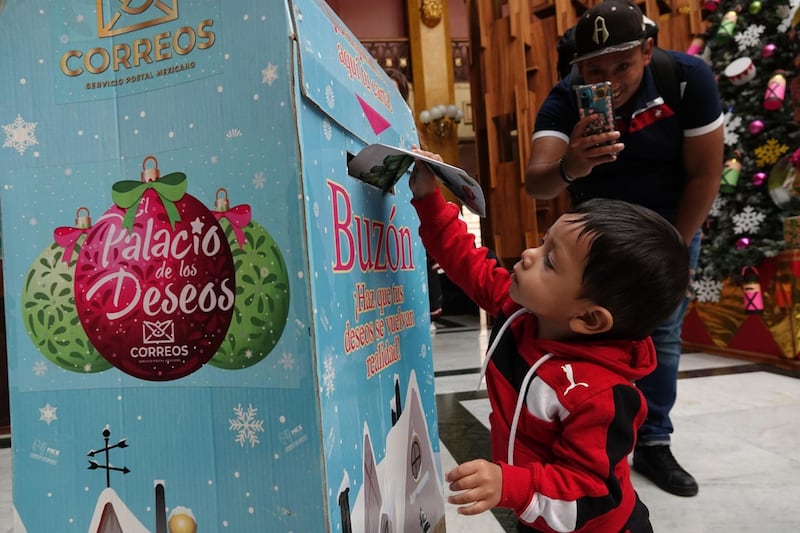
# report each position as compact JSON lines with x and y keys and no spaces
{"x":377,"y":122}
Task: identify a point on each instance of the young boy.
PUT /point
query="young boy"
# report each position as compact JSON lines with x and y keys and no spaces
{"x":570,"y":338}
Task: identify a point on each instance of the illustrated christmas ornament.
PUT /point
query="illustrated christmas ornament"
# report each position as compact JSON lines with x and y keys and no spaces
{"x":742,"y":243}
{"x":727,"y":26}
{"x":755,"y":7}
{"x":48,"y":308}
{"x":756,"y":127}
{"x":740,"y":71}
{"x":154,"y":279}
{"x":751,"y":291}
{"x":768,"y":50}
{"x":262,"y":288}
{"x":759,"y":178}
{"x":730,"y":175}
{"x":776,"y":91}
{"x":710,"y":5}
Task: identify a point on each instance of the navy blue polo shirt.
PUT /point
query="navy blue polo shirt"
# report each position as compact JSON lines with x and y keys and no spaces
{"x":650,"y":170}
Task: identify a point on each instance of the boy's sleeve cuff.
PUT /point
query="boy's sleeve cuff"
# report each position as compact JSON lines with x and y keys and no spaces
{"x":433,"y":201}
{"x":517,"y":486}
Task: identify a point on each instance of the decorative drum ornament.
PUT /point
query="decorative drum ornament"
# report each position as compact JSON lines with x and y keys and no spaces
{"x":740,"y":71}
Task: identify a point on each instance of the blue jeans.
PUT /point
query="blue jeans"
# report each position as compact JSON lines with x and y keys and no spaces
{"x":660,"y":388}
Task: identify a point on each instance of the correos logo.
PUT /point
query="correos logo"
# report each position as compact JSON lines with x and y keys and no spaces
{"x":126,"y":16}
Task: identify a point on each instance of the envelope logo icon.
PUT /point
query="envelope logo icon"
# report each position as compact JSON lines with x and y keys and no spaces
{"x":158,"y":332}
{"x":124,"y":16}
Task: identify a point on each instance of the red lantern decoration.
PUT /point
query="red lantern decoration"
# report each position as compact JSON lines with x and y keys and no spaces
{"x":775,"y":93}
{"x":751,"y":291}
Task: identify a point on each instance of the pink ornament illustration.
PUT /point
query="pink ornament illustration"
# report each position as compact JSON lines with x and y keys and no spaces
{"x":154,"y":280}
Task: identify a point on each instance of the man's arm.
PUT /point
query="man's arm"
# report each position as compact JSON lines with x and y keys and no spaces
{"x":543,"y":179}
{"x":542,"y":175}
{"x":702,"y":157}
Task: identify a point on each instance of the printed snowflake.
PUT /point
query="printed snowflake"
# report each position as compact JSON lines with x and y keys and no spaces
{"x":717,"y":206}
{"x":287,"y":361}
{"x":20,"y":135}
{"x":330,"y":99}
{"x":270,"y":74}
{"x":785,"y":13}
{"x":748,"y":221}
{"x":246,"y":425}
{"x":233,"y":133}
{"x":259,"y":179}
{"x":750,"y":37}
{"x":40,"y":368}
{"x":327,"y":129}
{"x":769,"y":154}
{"x":329,"y":377}
{"x":707,"y":290}
{"x":48,"y":413}
{"x":732,"y":123}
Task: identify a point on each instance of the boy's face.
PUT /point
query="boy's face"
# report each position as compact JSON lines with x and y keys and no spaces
{"x":623,"y":69}
{"x":548,"y":280}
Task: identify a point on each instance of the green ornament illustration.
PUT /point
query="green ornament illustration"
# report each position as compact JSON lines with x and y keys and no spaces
{"x":48,"y":305}
{"x":262,"y":289}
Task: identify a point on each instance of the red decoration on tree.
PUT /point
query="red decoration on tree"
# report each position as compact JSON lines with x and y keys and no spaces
{"x":751,"y":291}
{"x":775,"y":93}
{"x":756,"y":127}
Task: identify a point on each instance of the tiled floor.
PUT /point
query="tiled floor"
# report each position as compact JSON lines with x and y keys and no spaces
{"x":738,"y":432}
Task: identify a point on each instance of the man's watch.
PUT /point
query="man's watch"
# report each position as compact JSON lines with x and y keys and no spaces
{"x":563,"y":171}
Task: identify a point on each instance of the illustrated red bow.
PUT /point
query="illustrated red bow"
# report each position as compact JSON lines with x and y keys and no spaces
{"x":239,"y":217}
{"x":67,"y":238}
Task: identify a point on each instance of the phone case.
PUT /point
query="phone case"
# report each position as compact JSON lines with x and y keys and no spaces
{"x":597,"y":99}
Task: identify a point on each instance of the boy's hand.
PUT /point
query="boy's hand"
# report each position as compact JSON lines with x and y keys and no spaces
{"x":480,"y":483}
{"x":422,"y":181}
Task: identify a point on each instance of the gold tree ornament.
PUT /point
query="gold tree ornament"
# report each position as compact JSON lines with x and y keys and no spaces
{"x":431,"y":12}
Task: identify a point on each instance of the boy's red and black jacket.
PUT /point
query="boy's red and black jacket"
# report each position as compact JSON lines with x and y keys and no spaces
{"x":579,"y":411}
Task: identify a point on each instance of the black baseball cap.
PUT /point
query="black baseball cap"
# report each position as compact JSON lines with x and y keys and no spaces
{"x":608,"y":27}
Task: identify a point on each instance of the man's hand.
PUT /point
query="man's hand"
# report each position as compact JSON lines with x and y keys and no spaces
{"x":480,"y":483}
{"x":423,"y":181}
{"x":587,"y":151}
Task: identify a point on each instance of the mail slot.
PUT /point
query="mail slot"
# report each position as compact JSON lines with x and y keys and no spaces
{"x":211,"y":325}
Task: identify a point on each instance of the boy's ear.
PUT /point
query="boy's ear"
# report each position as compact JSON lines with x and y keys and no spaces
{"x":594,"y":320}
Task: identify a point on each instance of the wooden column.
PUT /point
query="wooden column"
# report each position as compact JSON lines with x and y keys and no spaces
{"x":432,"y":65}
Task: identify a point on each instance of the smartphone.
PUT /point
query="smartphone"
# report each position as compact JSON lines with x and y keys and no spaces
{"x":597,"y":99}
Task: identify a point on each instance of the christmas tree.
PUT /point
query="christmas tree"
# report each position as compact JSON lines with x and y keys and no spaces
{"x":752,"y":48}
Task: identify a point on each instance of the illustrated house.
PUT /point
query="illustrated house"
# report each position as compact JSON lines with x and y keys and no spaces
{"x":403,"y":492}
{"x":111,"y":515}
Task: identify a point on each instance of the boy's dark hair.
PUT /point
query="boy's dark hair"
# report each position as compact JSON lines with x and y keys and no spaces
{"x":637,"y":266}
{"x":400,"y":79}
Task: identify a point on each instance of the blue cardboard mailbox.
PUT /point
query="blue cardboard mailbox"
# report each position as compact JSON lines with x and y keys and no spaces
{"x":211,"y":325}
